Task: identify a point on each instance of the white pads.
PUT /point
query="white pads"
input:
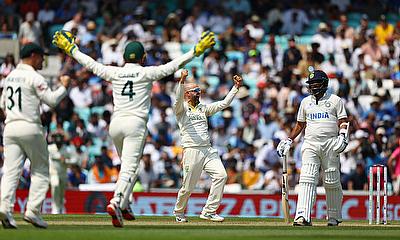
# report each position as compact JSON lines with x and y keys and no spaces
{"x":334,"y":194}
{"x":307,"y":193}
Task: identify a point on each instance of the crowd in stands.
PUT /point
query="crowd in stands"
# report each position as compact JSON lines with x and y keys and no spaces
{"x":271,"y":43}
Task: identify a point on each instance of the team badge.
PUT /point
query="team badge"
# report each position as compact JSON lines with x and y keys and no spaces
{"x":328,"y":104}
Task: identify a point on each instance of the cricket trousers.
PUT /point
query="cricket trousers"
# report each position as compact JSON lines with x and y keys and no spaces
{"x":314,"y":156}
{"x":196,"y":159}
{"x":24,"y":140}
{"x":129,"y":135}
{"x":58,"y":182}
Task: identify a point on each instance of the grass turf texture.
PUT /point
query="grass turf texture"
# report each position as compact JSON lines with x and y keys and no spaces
{"x":97,"y":227}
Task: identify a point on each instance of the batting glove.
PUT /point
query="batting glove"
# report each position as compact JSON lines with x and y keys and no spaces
{"x":206,"y":41}
{"x":283,"y":147}
{"x":65,"y":41}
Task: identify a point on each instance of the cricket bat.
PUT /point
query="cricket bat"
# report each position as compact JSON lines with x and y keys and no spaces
{"x":285,"y":191}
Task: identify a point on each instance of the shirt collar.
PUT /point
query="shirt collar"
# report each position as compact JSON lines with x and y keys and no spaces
{"x":24,"y":66}
{"x":324,"y":97}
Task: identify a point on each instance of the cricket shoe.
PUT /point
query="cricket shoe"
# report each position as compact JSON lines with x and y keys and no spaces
{"x":212,"y":217}
{"x":333,"y":222}
{"x":114,"y":211}
{"x":7,"y":220}
{"x":35,"y":219}
{"x":180,"y":218}
{"x":128,"y":214}
{"x":301,"y":221}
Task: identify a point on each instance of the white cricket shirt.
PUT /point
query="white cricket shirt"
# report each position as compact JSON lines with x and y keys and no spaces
{"x":322,"y":118}
{"x":24,"y":89}
{"x":192,"y":121}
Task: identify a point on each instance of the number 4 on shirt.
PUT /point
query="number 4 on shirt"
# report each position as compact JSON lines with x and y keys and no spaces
{"x":128,"y":92}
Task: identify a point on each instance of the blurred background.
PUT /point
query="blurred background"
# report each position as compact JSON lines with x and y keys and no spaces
{"x":271,"y":43}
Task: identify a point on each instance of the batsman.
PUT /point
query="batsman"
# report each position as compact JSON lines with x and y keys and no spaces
{"x":324,"y":118}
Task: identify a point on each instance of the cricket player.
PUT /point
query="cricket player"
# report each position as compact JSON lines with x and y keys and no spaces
{"x":24,"y":90}
{"x":132,"y":86}
{"x":198,"y":154}
{"x":60,"y":155}
{"x":324,"y":118}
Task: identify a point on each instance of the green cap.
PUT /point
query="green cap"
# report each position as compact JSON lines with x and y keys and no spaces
{"x":30,"y":48}
{"x":134,"y":51}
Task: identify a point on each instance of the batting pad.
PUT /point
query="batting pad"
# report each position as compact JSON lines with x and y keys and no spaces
{"x":307,"y":192}
{"x":334,"y":194}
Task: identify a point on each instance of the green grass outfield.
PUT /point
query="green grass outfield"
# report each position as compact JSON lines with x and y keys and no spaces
{"x":97,"y":227}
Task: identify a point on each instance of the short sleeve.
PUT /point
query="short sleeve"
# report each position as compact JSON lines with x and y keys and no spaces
{"x":301,"y":114}
{"x":341,"y":110}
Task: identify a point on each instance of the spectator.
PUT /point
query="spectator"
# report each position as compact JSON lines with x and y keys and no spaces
{"x":99,"y":172}
{"x":324,"y":39}
{"x":191,"y":31}
{"x":344,"y":26}
{"x":274,"y":18}
{"x":383,"y":31}
{"x":7,"y":66}
{"x":97,"y":127}
{"x":30,"y":31}
{"x":112,"y":55}
{"x":294,"y":20}
{"x":358,"y":178}
{"x":147,"y":176}
{"x":76,"y":22}
{"x":292,"y":55}
{"x":81,"y":95}
{"x":255,"y":28}
{"x":252,"y":178}
{"x":394,"y":169}
{"x":272,"y":178}
{"x":218,"y":21}
{"x":76,"y":176}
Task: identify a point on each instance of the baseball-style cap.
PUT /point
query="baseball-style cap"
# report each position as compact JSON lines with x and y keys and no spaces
{"x":30,"y":48}
{"x":133,"y":51}
{"x":317,"y":75}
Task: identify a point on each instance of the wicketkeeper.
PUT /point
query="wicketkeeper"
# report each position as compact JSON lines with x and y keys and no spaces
{"x":198,"y":154}
{"x":324,"y":118}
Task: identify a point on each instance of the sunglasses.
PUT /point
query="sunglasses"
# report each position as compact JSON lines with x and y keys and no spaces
{"x":197,"y":90}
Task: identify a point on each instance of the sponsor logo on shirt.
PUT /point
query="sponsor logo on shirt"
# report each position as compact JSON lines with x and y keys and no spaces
{"x":319,"y":115}
{"x":196,"y":117}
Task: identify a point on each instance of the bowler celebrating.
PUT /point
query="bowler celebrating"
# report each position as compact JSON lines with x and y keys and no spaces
{"x":198,"y":154}
{"x":132,"y":86}
{"x":321,"y":115}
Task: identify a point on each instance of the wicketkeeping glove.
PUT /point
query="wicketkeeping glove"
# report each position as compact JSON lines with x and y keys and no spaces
{"x":65,"y":41}
{"x":206,"y":41}
{"x":283,"y":147}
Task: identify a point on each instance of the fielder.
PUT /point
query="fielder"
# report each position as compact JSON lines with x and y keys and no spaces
{"x":198,"y":154}
{"x":321,"y":115}
{"x":24,"y":90}
{"x":132,"y":86}
{"x":60,"y":155}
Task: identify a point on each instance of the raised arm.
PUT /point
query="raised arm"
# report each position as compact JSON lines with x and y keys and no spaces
{"x":66,"y":41}
{"x":157,"y":72}
{"x":52,"y":98}
{"x":179,"y":102}
{"x":220,"y":105}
